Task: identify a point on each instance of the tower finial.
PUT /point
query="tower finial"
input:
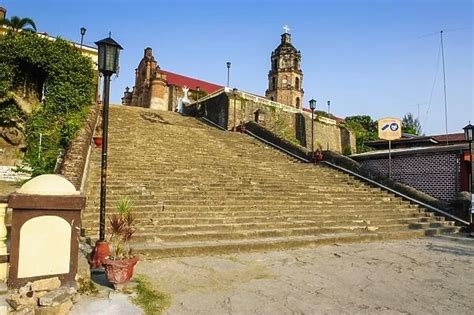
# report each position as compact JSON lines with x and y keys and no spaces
{"x":286,"y":28}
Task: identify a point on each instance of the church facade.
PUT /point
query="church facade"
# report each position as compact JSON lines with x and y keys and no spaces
{"x":164,"y":90}
{"x":285,"y":78}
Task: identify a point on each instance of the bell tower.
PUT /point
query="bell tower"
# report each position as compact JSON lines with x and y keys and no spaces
{"x":285,"y":78}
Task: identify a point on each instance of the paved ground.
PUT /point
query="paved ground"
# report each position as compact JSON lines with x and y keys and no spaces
{"x":421,"y":276}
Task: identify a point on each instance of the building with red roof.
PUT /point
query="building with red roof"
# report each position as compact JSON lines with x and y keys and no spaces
{"x":161,"y":89}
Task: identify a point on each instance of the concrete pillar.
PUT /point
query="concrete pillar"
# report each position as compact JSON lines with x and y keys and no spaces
{"x":3,"y":241}
{"x":46,"y":221}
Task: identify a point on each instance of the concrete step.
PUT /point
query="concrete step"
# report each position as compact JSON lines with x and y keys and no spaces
{"x":162,"y":249}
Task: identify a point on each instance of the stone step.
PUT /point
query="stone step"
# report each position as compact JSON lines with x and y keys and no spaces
{"x":175,"y":249}
{"x":159,"y":227}
{"x":154,"y":235}
{"x":196,"y":189}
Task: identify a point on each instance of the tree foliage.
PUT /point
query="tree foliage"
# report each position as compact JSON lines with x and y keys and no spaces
{"x":16,"y":23}
{"x":365,"y":130}
{"x":68,"y":91}
{"x":411,"y":125}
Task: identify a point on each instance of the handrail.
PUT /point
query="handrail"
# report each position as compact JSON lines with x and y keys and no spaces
{"x":345,"y":170}
{"x":364,"y":179}
{"x":85,"y":170}
{"x":277,"y":146}
{"x":213,"y":123}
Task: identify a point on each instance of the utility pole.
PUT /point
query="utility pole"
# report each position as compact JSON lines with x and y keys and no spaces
{"x":444,"y":85}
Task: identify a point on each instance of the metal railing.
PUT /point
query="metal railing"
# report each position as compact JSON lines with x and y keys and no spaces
{"x":340,"y":168}
{"x":421,"y":203}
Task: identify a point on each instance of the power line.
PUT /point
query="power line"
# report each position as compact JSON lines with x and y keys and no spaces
{"x":444,"y":85}
{"x":433,"y":86}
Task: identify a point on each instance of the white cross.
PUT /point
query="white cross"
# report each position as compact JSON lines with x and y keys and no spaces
{"x":286,"y":28}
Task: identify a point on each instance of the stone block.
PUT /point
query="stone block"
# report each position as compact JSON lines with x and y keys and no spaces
{"x":20,"y":301}
{"x":60,"y":309}
{"x":29,"y":310}
{"x":46,"y":284}
{"x":57,"y":297}
{"x":25,"y":289}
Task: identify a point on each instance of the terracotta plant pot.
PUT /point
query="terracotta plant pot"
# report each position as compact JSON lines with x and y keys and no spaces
{"x":119,"y":271}
{"x":100,"y":252}
{"x":318,"y":156}
{"x":97,"y":141}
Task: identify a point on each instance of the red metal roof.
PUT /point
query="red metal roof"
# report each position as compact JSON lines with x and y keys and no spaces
{"x":452,"y":137}
{"x":181,"y":80}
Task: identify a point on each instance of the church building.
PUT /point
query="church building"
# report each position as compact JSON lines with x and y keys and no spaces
{"x":285,"y":78}
{"x":164,"y":90}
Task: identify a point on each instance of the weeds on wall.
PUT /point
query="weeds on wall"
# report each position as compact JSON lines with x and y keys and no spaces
{"x":66,"y":93}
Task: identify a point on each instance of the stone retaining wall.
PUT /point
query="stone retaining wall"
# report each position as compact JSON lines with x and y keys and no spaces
{"x":74,"y":160}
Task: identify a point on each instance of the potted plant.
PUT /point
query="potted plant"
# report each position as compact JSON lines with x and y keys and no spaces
{"x":119,"y":265}
{"x":97,"y":141}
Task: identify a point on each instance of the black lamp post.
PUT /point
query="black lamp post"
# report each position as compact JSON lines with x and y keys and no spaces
{"x":228,"y":73}
{"x":468,"y":136}
{"x":83,"y":32}
{"x":312,"y":106}
{"x":108,"y":65}
{"x":329,"y":107}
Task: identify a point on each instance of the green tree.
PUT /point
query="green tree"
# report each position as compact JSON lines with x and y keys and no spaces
{"x":17,"y":23}
{"x":411,"y":125}
{"x":365,"y":130}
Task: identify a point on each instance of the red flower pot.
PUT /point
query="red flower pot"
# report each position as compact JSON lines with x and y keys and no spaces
{"x":119,"y":271}
{"x":97,"y":141}
{"x":318,"y":156}
{"x":100,"y":252}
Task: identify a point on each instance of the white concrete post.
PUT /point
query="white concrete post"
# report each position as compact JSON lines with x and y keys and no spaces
{"x":3,"y":241}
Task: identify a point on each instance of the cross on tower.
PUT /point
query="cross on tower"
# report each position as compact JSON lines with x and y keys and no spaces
{"x":286,"y":28}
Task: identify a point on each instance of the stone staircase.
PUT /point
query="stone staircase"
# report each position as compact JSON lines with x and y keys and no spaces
{"x":196,"y":189}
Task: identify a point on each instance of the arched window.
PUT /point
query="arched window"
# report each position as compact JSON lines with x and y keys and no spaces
{"x":297,"y":102}
{"x":271,"y":98}
{"x":274,"y":64}
{"x":296,"y":63}
{"x":297,"y":83}
{"x":273,"y":83}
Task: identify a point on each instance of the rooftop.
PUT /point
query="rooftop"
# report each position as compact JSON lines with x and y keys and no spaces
{"x":193,"y":84}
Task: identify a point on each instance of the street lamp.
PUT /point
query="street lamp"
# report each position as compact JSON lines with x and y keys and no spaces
{"x":329,"y":107}
{"x":312,"y":105}
{"x":235,"y":111}
{"x":468,"y":136}
{"x":83,"y":32}
{"x":228,"y":73}
{"x":108,"y":62}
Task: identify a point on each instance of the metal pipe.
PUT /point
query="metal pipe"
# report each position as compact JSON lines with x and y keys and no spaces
{"x":103,"y":174}
{"x":312,"y":135}
{"x":228,"y":73}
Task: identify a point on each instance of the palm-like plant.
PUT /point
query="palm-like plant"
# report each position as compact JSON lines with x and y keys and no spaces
{"x":16,"y":23}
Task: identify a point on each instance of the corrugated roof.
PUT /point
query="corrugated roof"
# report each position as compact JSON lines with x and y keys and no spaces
{"x":193,"y":84}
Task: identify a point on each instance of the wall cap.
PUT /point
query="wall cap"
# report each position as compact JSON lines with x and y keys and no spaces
{"x":48,"y":184}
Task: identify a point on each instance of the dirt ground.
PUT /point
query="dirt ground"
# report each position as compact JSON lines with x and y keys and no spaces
{"x":420,"y":276}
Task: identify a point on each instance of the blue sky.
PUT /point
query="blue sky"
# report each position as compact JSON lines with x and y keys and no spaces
{"x":368,"y":57}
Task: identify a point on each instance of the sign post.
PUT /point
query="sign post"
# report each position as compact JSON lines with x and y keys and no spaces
{"x":389,"y":129}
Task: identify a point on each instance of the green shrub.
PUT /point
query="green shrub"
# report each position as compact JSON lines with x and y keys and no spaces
{"x":68,"y":91}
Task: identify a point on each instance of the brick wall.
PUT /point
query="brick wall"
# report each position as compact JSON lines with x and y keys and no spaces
{"x":75,"y":158}
{"x":436,"y":174}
